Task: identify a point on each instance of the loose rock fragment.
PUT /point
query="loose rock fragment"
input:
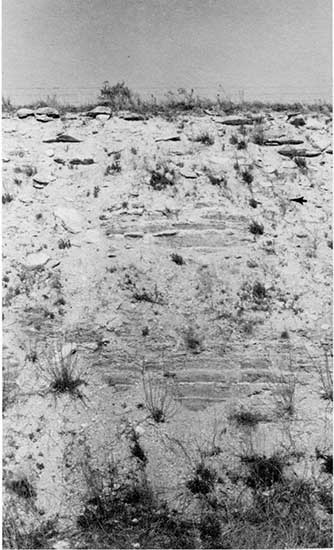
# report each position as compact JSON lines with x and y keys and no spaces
{"x":35,"y":260}
{"x":24,"y":113}
{"x":70,"y":218}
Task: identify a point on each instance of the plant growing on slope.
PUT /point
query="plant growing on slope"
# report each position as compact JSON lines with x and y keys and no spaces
{"x":159,"y":397}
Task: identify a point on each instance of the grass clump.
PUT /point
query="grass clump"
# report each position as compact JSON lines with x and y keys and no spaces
{"x":263,"y":471}
{"x":159,"y":397}
{"x":58,"y":367}
{"x":246,"y":418}
{"x":247,"y":177}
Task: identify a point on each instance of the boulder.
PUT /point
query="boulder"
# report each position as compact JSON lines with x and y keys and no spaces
{"x":24,"y":113}
{"x":70,"y":218}
{"x":43,"y":118}
{"x":236,"y":121}
{"x":131,"y":116}
{"x":48,"y":111}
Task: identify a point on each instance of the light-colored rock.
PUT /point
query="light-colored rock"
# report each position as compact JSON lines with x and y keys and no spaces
{"x":24,"y":113}
{"x":70,"y":218}
{"x":50,"y":152}
{"x":43,"y":118}
{"x":43,"y":178}
{"x":313,"y":124}
{"x":36,"y":259}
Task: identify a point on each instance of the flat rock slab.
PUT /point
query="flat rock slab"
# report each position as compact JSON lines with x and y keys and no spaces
{"x":235,"y":121}
{"x":35,"y":260}
{"x":132,"y":117}
{"x":70,"y":218}
{"x":283,"y":141}
{"x":291,"y":153}
{"x":83,"y":161}
{"x":187,"y":173}
{"x":168,"y":138}
{"x":43,"y":178}
{"x":24,"y":113}
{"x":62,"y":138}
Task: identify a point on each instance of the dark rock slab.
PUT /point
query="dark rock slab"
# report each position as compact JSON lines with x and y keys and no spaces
{"x":62,"y":138}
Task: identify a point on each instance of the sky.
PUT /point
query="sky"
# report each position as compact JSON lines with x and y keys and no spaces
{"x":256,"y":49}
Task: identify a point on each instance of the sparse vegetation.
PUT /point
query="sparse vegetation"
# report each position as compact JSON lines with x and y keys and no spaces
{"x":256,"y":228}
{"x":205,"y":138}
{"x":159,"y":397}
{"x":162,"y":177}
{"x":177,"y":259}
{"x":6,"y":198}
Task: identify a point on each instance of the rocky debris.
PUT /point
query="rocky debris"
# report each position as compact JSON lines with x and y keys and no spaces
{"x":169,"y":138}
{"x":83,"y":161}
{"x":36,"y":260}
{"x":291,"y":153}
{"x":62,"y":138}
{"x":296,"y":120}
{"x":100,"y":110}
{"x":70,"y":218}
{"x":59,"y":160}
{"x":50,"y":112}
{"x":42,"y":179}
{"x":24,"y":113}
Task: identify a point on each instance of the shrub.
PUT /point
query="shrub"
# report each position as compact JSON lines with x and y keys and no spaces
{"x":7,"y":197}
{"x":246,"y":418}
{"x":263,"y":471}
{"x":256,"y":228}
{"x":210,"y":530}
{"x":258,"y":135}
{"x":177,"y":259}
{"x":247,"y":177}
{"x":162,"y":177}
{"x":118,"y":96}
{"x":205,"y":138}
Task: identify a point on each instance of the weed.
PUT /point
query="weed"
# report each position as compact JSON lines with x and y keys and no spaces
{"x":62,"y":244}
{"x":58,"y":366}
{"x":256,"y":228}
{"x":253,"y":203}
{"x":96,"y":191}
{"x":134,"y":150}
{"x":246,"y":418}
{"x":284,"y":393}
{"x":159,"y":397}
{"x":193,"y":342}
{"x":202,"y":481}
{"x":15,"y":534}
{"x":114,"y":168}
{"x":258,"y":291}
{"x":327,"y":461}
{"x":136,"y":449}
{"x":263,"y":471}
{"x":216,"y":180}
{"x":145,"y":331}
{"x":143,"y":295}
{"x":17,"y":181}
{"x":285,"y":335}
{"x":247,"y":177}
{"x":6,"y":198}
{"x":177,"y":259}
{"x":258,"y":135}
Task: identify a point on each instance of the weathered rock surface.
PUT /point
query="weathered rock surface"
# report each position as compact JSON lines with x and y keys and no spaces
{"x":70,"y":218}
{"x":24,"y":113}
{"x":50,"y":112}
{"x":36,"y":260}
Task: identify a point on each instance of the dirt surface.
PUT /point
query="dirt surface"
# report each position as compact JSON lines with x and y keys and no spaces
{"x":244,"y":322}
